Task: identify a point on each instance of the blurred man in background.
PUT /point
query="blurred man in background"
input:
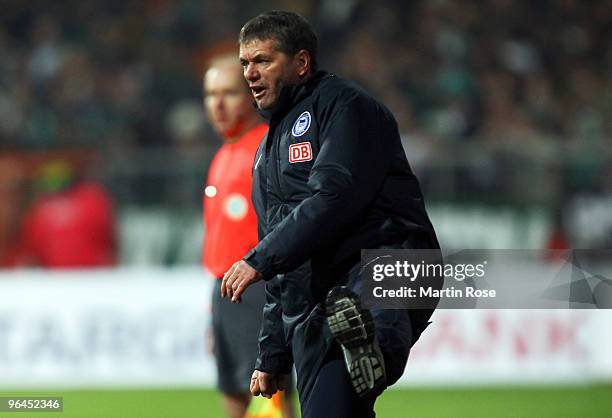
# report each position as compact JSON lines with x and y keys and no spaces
{"x":71,"y":224}
{"x":231,"y":226}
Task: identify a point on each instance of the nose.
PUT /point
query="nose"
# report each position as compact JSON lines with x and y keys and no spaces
{"x":250,"y":72}
{"x":218,"y":103}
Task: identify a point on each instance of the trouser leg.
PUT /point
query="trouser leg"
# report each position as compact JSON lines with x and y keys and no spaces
{"x":323,"y":380}
{"x":394,"y":335}
{"x":393,"y":332}
{"x":332,"y":394}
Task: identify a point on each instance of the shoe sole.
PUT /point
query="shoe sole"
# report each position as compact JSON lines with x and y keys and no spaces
{"x":353,"y":328}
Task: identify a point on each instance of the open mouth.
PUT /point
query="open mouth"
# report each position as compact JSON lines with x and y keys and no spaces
{"x":258,"y":91}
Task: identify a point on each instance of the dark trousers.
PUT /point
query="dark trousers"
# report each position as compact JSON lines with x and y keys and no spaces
{"x":323,"y":383}
{"x":333,"y":396}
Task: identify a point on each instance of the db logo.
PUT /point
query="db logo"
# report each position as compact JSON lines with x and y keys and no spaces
{"x":300,"y":152}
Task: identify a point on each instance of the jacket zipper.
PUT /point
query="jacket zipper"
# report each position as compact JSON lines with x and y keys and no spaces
{"x":277,"y":162}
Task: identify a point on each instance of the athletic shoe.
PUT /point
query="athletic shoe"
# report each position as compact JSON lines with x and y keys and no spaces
{"x":353,"y":328}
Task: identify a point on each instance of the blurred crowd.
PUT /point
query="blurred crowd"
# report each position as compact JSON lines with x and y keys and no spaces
{"x":128,"y":73}
{"x":494,"y":98}
{"x":526,"y":85}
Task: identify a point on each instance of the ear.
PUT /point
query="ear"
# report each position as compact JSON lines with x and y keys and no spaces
{"x":303,"y":61}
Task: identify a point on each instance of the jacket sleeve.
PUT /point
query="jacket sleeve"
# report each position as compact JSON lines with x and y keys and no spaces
{"x":348,"y":172}
{"x":274,"y":354}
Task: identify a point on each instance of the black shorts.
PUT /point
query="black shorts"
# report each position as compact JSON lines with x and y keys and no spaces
{"x":236,"y":332}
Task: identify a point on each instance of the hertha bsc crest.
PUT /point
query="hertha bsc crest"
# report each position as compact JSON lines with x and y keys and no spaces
{"x":301,"y":125}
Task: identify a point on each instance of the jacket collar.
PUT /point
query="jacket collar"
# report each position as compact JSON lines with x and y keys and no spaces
{"x":291,"y":95}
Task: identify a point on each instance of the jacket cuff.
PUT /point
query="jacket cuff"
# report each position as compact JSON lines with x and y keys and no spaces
{"x":256,"y":260}
{"x":276,"y":364}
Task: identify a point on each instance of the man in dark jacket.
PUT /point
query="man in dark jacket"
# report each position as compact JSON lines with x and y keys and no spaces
{"x":329,"y":179}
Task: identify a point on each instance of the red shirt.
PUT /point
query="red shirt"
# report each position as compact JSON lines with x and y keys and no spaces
{"x":229,"y":217}
{"x":74,"y":228}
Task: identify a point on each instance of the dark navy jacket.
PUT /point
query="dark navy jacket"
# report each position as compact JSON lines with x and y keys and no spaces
{"x":329,"y":179}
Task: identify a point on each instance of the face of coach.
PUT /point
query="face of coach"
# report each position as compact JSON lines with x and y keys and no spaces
{"x":277,"y":50}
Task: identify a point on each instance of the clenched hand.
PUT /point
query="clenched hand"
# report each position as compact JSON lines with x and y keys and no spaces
{"x":266,"y":384}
